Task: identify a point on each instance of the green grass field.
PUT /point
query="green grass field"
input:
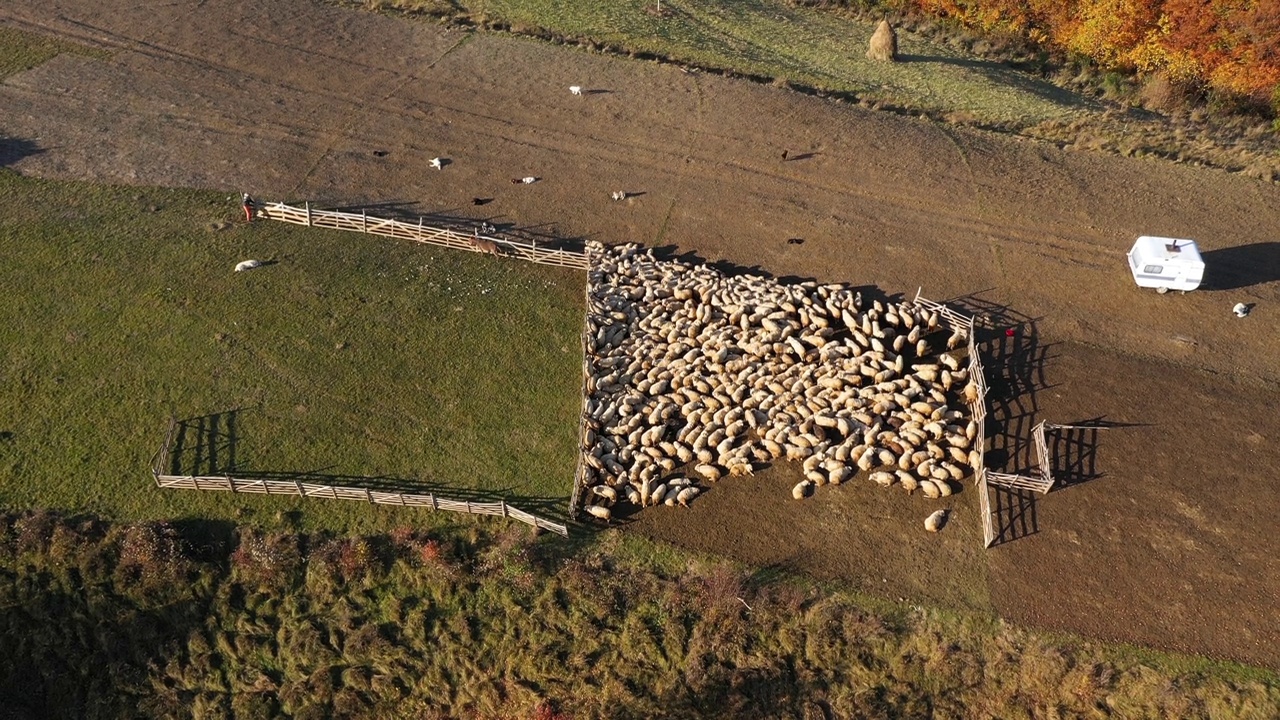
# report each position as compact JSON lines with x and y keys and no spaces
{"x":769,"y":38}
{"x":352,"y":356}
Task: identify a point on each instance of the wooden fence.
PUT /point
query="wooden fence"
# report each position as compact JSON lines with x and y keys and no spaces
{"x":420,"y":232}
{"x":300,"y":488}
{"x":977,"y":410}
{"x":579,"y":472}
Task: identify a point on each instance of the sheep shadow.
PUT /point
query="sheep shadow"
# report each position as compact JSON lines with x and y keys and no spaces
{"x":1242,"y":266}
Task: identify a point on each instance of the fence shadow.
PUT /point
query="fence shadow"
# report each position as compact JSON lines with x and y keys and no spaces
{"x":206,"y":445}
{"x":1014,"y":513}
{"x":209,"y":445}
{"x":1014,"y":359}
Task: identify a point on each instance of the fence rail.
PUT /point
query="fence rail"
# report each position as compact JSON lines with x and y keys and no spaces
{"x":420,"y":232}
{"x":580,"y":470}
{"x":301,"y":488}
{"x":977,"y":409}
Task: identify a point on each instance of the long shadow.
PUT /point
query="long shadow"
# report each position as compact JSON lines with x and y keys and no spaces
{"x":1014,"y":360}
{"x":14,"y":149}
{"x":208,"y":445}
{"x":1014,"y":510}
{"x":1073,"y":450}
{"x":1242,"y":266}
{"x":1073,"y":456}
{"x":1002,"y":74}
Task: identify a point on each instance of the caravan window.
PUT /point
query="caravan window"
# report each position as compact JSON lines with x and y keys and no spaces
{"x":1153,"y":269}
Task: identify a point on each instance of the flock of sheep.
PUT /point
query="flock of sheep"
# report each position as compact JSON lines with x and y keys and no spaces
{"x":694,"y":375}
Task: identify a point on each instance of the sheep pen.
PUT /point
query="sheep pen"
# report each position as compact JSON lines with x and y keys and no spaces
{"x":693,"y":375}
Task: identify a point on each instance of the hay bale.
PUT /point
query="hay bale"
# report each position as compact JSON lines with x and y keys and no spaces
{"x":884,"y":43}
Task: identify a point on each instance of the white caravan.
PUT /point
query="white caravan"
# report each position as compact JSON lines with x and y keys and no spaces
{"x":1166,"y":264}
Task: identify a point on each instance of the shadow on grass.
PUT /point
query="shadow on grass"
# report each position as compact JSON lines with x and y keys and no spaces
{"x":208,"y":445}
{"x":1000,"y":74}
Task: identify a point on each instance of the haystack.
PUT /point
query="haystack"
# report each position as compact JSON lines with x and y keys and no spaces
{"x":884,"y":43}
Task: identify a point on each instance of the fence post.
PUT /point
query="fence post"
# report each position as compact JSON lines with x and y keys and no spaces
{"x":434,"y":504}
{"x":368,"y":495}
{"x":298,"y":484}
{"x":364,"y":220}
{"x":504,"y":509}
{"x":230,"y":484}
{"x":308,"y":205}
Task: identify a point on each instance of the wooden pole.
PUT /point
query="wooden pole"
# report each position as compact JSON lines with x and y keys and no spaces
{"x":308,"y":213}
{"x":364,"y":220}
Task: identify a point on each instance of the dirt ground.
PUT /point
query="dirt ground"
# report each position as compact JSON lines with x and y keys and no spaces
{"x":1164,"y":534}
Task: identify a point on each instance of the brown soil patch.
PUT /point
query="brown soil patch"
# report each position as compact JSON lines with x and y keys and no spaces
{"x":1170,"y":546}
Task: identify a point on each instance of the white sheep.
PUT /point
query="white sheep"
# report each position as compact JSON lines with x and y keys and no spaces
{"x":618,"y":194}
{"x":801,"y":490}
{"x":575,"y":90}
{"x":437,"y":163}
{"x":935,"y":521}
{"x":599,"y":511}
{"x":248,"y":265}
{"x":1240,"y":310}
{"x":686,"y":495}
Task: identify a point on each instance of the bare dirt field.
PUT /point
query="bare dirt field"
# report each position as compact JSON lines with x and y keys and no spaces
{"x":1165,"y":533}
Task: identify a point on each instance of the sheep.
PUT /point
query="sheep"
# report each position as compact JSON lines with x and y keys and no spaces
{"x":437,"y":163}
{"x":248,"y":265}
{"x":936,"y":520}
{"x":575,"y":90}
{"x":599,"y":511}
{"x":802,"y":490}
{"x":606,"y":492}
{"x":1241,"y":310}
{"x":618,"y":194}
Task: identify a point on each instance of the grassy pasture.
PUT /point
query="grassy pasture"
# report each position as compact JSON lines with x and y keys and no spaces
{"x":769,"y":38}
{"x":351,"y":356}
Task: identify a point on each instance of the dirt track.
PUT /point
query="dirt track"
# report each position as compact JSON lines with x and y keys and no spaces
{"x":1164,"y":538}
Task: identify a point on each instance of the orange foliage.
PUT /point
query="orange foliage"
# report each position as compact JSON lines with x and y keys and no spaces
{"x":1231,"y":45}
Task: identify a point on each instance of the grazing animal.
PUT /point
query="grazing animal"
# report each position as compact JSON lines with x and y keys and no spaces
{"x":618,"y":194}
{"x":1240,"y":310}
{"x":437,"y":163}
{"x":575,"y":89}
{"x":599,"y":511}
{"x":935,"y":521}
{"x":248,"y":265}
{"x":884,"y":43}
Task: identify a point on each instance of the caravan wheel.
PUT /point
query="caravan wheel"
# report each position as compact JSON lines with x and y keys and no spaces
{"x":1162,"y":290}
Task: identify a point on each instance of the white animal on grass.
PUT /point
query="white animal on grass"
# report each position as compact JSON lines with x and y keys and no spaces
{"x":575,"y":89}
{"x":1240,"y":309}
{"x":248,"y":265}
{"x":437,"y":163}
{"x":619,"y":195}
